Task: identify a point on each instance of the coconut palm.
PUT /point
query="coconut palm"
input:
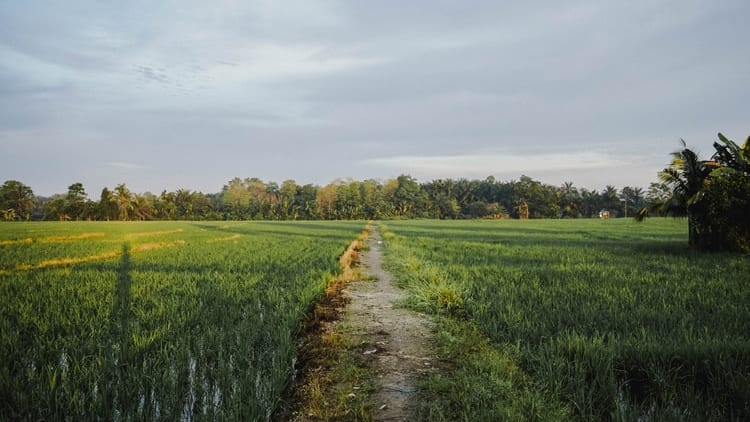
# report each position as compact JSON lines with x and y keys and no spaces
{"x":143,"y":208}
{"x":610,"y":199}
{"x":638,"y":197}
{"x":124,"y":200}
{"x":569,"y":200}
{"x":632,"y":198}
{"x":686,"y":176}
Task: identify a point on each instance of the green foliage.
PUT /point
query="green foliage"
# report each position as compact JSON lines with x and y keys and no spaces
{"x":185,"y":321}
{"x":16,"y":200}
{"x":604,"y":320}
{"x":399,"y":198}
{"x":726,"y":223}
{"x":712,"y":194}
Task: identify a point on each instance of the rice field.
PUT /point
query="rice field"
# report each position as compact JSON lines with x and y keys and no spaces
{"x":156,"y":321}
{"x":578,"y":319}
{"x":537,"y":320}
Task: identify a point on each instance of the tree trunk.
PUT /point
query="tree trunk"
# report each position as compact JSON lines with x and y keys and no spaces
{"x":693,"y":233}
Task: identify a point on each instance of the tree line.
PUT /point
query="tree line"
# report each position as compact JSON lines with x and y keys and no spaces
{"x":402,"y":197}
{"x":713,"y":194}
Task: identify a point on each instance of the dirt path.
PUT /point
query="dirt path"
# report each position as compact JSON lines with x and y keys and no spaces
{"x":397,"y":341}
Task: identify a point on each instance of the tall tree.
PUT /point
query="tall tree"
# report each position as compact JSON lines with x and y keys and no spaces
{"x":370,"y":192}
{"x":18,"y":197}
{"x":287,"y":209}
{"x":611,"y":200}
{"x":632,"y":199}
{"x":349,"y":200}
{"x":55,"y":209}
{"x":591,"y":203}
{"x":107,"y":208}
{"x":75,"y":201}
{"x":167,"y":208}
{"x":236,"y":197}
{"x":406,"y":196}
{"x":569,"y":200}
{"x":258,"y":200}
{"x":124,"y":200}
{"x":325,"y":201}
{"x":685,"y":178}
{"x":273,"y":198}
{"x":658,"y":193}
{"x":143,"y":207}
{"x":540,"y":199}
{"x":191,"y":205}
{"x":305,"y":201}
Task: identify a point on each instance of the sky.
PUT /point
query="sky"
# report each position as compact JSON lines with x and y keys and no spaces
{"x":190,"y":94}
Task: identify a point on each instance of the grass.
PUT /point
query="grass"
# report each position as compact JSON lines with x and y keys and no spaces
{"x":537,"y":320}
{"x":157,"y":321}
{"x":334,"y":382}
{"x":586,"y":320}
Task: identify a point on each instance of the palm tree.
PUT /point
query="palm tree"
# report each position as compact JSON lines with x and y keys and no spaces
{"x":569,"y":199}
{"x":167,"y":209}
{"x":590,"y":202}
{"x":686,"y":177}
{"x":143,"y":208}
{"x":638,"y":197}
{"x":632,"y":198}
{"x":124,"y":200}
{"x":610,"y":198}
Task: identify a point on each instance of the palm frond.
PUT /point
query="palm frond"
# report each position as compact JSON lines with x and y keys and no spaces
{"x":672,"y":176}
{"x":732,"y":155}
{"x":645,"y":211}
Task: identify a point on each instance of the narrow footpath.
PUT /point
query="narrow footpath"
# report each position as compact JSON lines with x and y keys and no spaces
{"x":398,"y":341}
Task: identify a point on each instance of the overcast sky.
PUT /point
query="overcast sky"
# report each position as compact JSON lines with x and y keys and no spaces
{"x":189,"y":94}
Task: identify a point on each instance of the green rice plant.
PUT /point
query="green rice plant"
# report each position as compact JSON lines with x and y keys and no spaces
{"x":157,"y":321}
{"x":613,"y":319}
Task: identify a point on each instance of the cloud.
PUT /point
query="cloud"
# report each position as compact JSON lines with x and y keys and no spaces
{"x":149,"y":73}
{"x":591,"y":169}
{"x":492,"y":163}
{"x":308,"y":90}
{"x":126,"y":166}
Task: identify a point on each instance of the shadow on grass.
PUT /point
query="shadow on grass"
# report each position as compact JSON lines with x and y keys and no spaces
{"x":120,"y":336}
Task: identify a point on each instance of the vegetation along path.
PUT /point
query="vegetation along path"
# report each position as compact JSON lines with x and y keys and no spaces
{"x":397,"y":341}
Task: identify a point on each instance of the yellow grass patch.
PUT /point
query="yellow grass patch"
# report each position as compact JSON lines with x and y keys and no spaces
{"x":224,"y":239}
{"x":350,"y":258}
{"x":59,"y":262}
{"x":68,"y":261}
{"x":156,"y":245}
{"x":16,"y":241}
{"x":52,"y":239}
{"x":149,"y":234}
